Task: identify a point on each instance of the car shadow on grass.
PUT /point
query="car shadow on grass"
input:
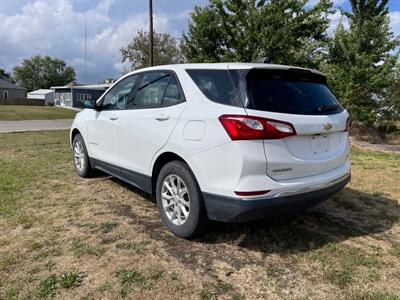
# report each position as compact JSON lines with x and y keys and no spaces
{"x":350,"y":213}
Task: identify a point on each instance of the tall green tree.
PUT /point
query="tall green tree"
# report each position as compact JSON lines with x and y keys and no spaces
{"x":42,"y":72}
{"x":361,"y":60}
{"x":166,"y":50}
{"x":283,"y":31}
{"x":390,"y":106}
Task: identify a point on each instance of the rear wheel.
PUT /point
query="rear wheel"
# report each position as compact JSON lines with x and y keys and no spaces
{"x":179,"y":200}
{"x":81,"y":159}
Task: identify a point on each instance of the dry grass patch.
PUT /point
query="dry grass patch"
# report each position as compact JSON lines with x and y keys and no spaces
{"x":70,"y":238}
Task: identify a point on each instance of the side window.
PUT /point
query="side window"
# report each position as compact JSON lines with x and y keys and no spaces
{"x":152,"y":89}
{"x":216,"y":85}
{"x":117,"y":97}
{"x":173,"y":93}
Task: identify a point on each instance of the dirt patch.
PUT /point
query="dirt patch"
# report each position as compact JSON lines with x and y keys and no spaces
{"x":384,"y":147}
{"x":369,"y":138}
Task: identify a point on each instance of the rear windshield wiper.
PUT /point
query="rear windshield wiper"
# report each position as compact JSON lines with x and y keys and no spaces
{"x":327,"y":107}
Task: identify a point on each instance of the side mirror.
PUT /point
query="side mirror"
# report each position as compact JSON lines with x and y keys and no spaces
{"x":89,"y":104}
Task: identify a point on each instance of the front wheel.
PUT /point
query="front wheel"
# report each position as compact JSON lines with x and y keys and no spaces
{"x":179,"y":200}
{"x":81,"y":159}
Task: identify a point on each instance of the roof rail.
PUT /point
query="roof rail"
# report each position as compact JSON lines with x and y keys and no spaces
{"x":261,"y":60}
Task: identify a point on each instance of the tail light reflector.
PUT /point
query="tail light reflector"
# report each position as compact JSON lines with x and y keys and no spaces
{"x":243,"y":127}
{"x":255,"y":193}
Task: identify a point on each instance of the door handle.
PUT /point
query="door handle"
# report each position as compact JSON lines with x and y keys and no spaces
{"x":162,"y":117}
{"x":114,"y":118}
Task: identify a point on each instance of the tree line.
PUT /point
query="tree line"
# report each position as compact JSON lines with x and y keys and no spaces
{"x":360,"y":57}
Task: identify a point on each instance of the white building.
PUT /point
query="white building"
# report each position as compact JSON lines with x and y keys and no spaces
{"x":46,"y":95}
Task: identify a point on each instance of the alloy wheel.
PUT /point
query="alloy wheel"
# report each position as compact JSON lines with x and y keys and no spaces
{"x":79,"y":156}
{"x":175,"y":199}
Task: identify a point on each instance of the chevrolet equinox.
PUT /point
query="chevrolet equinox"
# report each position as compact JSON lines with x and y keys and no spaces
{"x":230,"y":142}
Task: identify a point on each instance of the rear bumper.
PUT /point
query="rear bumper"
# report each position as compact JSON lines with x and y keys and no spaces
{"x":230,"y":209}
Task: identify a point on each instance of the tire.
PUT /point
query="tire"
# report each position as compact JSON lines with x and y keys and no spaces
{"x":195,"y":223}
{"x":82,"y":164}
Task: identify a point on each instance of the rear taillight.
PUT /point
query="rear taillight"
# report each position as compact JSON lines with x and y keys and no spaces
{"x":348,"y":124}
{"x":243,"y":127}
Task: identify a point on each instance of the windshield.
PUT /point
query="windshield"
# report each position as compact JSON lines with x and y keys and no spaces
{"x":285,"y":91}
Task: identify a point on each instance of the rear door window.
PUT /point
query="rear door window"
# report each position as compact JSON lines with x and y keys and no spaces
{"x":286,"y":91}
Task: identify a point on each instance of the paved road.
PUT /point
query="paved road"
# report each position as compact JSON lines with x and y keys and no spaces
{"x":34,"y":125}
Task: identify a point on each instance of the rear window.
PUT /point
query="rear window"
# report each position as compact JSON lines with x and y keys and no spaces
{"x":291,"y":91}
{"x":216,"y":85}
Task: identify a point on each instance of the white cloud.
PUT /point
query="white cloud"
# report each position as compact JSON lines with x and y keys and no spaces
{"x":335,"y":2}
{"x":395,"y":22}
{"x":338,"y":2}
{"x":55,"y":28}
{"x":335,"y":19}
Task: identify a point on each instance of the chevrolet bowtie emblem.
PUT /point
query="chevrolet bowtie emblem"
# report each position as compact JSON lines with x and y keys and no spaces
{"x":328,"y":126}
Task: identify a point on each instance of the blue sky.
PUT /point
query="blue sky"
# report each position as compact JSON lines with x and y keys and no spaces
{"x":56,"y":28}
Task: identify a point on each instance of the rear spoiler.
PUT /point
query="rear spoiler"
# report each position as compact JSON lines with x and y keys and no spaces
{"x":265,"y":60}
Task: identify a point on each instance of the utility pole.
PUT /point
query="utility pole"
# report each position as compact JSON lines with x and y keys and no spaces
{"x":85,"y":51}
{"x":151,"y":33}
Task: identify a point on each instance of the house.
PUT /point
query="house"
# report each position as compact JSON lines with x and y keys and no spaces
{"x":46,"y":95}
{"x":73,"y":94}
{"x":11,"y":91}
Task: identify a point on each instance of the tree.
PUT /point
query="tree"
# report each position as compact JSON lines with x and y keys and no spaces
{"x":390,"y":106}
{"x":283,"y":31}
{"x":5,"y":76}
{"x":43,"y":72}
{"x":361,"y":61}
{"x":166,"y":50}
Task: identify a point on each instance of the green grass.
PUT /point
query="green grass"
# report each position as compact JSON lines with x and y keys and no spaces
{"x":54,"y":225}
{"x":343,"y":264}
{"x":21,"y":112}
{"x":47,"y":287}
{"x":81,"y":248}
{"x":106,"y":286}
{"x":26,"y":159}
{"x":136,"y":247}
{"x":128,"y":277}
{"x":107,"y":227}
{"x":376,"y":173}
{"x":71,"y":279}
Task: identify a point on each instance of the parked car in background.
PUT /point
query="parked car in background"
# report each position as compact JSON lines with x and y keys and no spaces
{"x":230,"y":142}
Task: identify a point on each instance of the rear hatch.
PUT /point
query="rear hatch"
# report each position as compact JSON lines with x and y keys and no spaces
{"x":303,"y":99}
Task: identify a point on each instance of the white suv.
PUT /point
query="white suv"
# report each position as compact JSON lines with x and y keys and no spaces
{"x":229,"y":142}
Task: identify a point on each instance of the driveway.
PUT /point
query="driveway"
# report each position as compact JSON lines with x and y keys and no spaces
{"x":34,"y":125}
